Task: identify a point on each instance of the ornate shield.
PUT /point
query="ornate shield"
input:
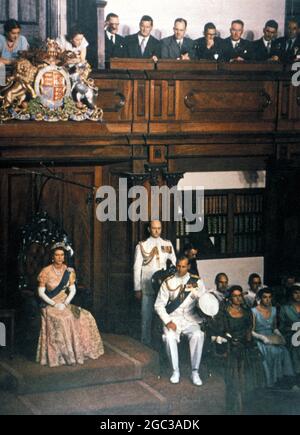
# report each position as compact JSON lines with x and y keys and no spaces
{"x":52,"y":85}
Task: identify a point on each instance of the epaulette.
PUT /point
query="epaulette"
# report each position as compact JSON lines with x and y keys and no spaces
{"x":195,"y":277}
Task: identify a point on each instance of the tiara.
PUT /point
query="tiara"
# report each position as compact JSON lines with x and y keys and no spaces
{"x":63,"y":246}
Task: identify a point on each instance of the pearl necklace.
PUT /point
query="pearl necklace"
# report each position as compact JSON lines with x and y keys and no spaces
{"x":57,"y":272}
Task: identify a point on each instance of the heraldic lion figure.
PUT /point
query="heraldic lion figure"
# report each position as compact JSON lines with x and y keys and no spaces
{"x":19,"y":85}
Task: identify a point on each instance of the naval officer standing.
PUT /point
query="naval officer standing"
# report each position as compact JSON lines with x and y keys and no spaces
{"x":175,"y":304}
{"x":150,"y":256}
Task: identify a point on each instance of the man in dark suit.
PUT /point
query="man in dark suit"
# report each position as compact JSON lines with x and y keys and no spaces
{"x":265,"y":47}
{"x":114,"y":43}
{"x":289,"y":45}
{"x":143,"y":45}
{"x":235,"y":48}
{"x":178,"y":46}
{"x":210,"y":46}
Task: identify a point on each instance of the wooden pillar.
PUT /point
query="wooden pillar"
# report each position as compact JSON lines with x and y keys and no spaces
{"x":100,"y":33}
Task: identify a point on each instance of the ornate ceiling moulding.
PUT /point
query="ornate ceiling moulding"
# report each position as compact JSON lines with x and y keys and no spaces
{"x":154,"y":174}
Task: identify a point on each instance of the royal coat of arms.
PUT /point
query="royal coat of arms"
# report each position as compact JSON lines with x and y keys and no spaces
{"x":50,"y":85}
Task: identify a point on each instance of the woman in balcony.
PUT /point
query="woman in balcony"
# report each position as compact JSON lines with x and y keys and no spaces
{"x":69,"y":334}
{"x":12,"y":42}
{"x":76,"y":42}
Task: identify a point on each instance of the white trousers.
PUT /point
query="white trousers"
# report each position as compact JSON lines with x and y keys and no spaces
{"x":147,"y":317}
{"x":196,"y":340}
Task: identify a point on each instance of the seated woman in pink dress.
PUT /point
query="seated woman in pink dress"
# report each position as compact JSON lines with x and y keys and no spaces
{"x":69,"y":334}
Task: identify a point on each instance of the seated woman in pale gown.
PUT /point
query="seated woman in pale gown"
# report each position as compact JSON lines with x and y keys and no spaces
{"x":276,"y":358}
{"x":69,"y":334}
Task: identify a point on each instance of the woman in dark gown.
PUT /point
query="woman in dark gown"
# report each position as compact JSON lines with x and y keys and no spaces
{"x":243,"y":371}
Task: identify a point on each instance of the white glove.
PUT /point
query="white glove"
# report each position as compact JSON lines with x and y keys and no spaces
{"x":265,"y":339}
{"x":195,"y":293}
{"x":221,"y":340}
{"x":261,"y":337}
{"x":60,"y":307}
{"x":277,"y":332}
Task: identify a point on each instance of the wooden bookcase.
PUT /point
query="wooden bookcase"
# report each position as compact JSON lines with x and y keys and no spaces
{"x":233,"y":225}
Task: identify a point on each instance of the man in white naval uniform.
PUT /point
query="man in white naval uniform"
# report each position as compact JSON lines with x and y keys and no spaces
{"x":221,"y":283}
{"x":150,"y":256}
{"x":175,"y":305}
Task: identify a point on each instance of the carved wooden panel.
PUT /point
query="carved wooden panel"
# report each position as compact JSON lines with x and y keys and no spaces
{"x":115,"y":98}
{"x":289,"y":106}
{"x":229,"y":100}
{"x":163,"y":100}
{"x":157,"y":154}
{"x":141,"y":106}
{"x":118,"y":261}
{"x":17,"y":205}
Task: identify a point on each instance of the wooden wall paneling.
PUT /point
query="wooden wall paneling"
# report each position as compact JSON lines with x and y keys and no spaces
{"x":284,"y":101}
{"x":115,"y":98}
{"x":20,"y":204}
{"x":52,"y":198}
{"x":78,"y":217}
{"x":288,"y":107}
{"x":162,"y":100}
{"x":141,"y":95}
{"x":120,"y":296}
{"x":296,"y":105}
{"x":100,"y":254}
{"x":235,"y":104}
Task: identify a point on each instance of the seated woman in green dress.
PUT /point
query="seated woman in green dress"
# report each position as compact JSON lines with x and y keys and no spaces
{"x":231,"y":329}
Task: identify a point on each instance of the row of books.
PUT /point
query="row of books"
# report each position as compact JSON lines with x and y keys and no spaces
{"x":181,"y":229}
{"x":217,"y":204}
{"x":216,"y":224}
{"x":246,"y":244}
{"x":249,"y":203}
{"x":245,"y":223}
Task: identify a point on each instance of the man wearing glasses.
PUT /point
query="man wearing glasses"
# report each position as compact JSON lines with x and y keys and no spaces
{"x":209,"y":47}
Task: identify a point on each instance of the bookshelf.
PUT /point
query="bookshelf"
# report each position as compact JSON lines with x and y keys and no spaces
{"x":233,"y":225}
